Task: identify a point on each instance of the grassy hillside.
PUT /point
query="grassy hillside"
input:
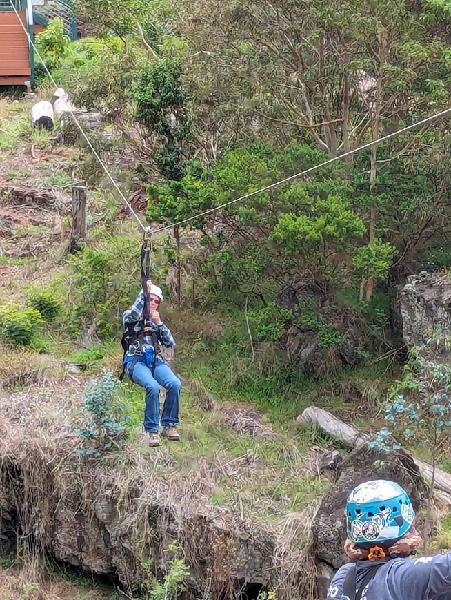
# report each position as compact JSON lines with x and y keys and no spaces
{"x":240,"y":442}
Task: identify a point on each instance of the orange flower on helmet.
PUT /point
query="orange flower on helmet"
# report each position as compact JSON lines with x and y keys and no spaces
{"x":376,"y":553}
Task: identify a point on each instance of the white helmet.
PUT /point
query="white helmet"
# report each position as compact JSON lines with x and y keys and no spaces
{"x":156,"y":291}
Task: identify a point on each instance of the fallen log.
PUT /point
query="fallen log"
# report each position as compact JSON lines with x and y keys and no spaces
{"x":351,"y":437}
{"x":336,"y":429}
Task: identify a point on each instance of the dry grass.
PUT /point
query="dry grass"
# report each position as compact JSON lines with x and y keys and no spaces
{"x":38,"y":584}
{"x":25,"y":368}
{"x":217,"y":489}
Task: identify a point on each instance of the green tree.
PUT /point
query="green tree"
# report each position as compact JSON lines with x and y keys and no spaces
{"x":374,"y":260}
{"x":335,"y":75}
{"x":160,"y":108}
{"x":146,"y":20}
{"x":257,"y":248}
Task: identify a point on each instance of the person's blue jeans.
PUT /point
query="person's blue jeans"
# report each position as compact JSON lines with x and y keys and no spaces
{"x":162,"y":375}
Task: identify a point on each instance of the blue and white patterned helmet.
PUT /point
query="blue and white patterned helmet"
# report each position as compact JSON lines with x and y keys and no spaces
{"x":378,"y":512}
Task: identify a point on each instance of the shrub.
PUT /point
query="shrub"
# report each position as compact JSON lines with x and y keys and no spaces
{"x":52,"y":44}
{"x":269,"y":321}
{"x":419,"y":408}
{"x":86,"y":356}
{"x":329,"y":336}
{"x":107,"y":419}
{"x":105,"y":282}
{"x":174,"y":580}
{"x":18,"y":326}
{"x":45,"y":302}
{"x":100,"y":72}
{"x":374,"y":259}
{"x":159,"y":96}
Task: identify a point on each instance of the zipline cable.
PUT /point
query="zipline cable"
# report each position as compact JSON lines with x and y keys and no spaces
{"x":76,"y":121}
{"x":297,"y":175}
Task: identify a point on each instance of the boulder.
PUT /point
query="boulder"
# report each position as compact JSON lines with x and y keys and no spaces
{"x":322,"y":338}
{"x":425,"y":306}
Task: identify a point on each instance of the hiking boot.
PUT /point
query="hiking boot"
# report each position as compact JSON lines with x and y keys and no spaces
{"x":171,"y":434}
{"x":152,"y":439}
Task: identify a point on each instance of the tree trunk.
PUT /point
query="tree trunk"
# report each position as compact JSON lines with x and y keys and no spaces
{"x":345,"y":126}
{"x":375,"y":132}
{"x":362,"y":289}
{"x":329,"y":131}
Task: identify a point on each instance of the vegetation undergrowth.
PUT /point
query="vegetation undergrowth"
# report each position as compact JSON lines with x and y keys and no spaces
{"x":226,"y":367}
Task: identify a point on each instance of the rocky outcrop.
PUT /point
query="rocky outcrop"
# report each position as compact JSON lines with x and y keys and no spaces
{"x":94,"y":518}
{"x":425,"y":305}
{"x":322,"y":337}
{"x":128,"y":515}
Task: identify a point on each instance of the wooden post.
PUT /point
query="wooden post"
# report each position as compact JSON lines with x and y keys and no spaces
{"x":78,"y":233}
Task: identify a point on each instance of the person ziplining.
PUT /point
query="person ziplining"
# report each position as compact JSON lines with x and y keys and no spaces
{"x":144,"y":334}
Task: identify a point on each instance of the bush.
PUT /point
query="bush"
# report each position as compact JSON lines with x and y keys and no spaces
{"x":107,"y":418}
{"x":99,"y":72}
{"x":174,"y":581}
{"x":19,"y":326}
{"x":45,"y":302}
{"x":52,"y":44}
{"x":269,"y":322}
{"x":86,"y":356}
{"x":329,"y":336}
{"x":105,"y":282}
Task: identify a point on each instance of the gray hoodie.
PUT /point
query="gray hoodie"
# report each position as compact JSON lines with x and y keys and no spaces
{"x":401,"y":579}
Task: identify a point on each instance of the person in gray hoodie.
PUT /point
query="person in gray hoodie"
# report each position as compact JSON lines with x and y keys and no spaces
{"x":381,"y":542}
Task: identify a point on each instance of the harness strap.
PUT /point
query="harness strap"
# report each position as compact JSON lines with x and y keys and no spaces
{"x":137,"y":339}
{"x":350,"y":590}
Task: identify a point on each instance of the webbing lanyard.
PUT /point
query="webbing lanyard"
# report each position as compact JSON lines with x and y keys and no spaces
{"x":146,"y":272}
{"x":350,"y":591}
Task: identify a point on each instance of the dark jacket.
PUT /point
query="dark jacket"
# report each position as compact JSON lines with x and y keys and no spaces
{"x":401,"y":579}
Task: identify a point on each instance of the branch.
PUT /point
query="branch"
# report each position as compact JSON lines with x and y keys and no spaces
{"x":306,"y":125}
{"x":144,"y":41}
{"x":406,"y":147}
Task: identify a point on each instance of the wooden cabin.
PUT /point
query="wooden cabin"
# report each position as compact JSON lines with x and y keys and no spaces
{"x":16,"y":54}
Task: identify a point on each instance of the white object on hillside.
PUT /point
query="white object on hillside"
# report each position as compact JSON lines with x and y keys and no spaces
{"x":60,"y":93}
{"x":42,"y":114}
{"x":62,"y":106}
{"x":61,"y":103}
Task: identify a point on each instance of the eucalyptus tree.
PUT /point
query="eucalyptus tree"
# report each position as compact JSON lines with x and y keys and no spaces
{"x":336,"y":74}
